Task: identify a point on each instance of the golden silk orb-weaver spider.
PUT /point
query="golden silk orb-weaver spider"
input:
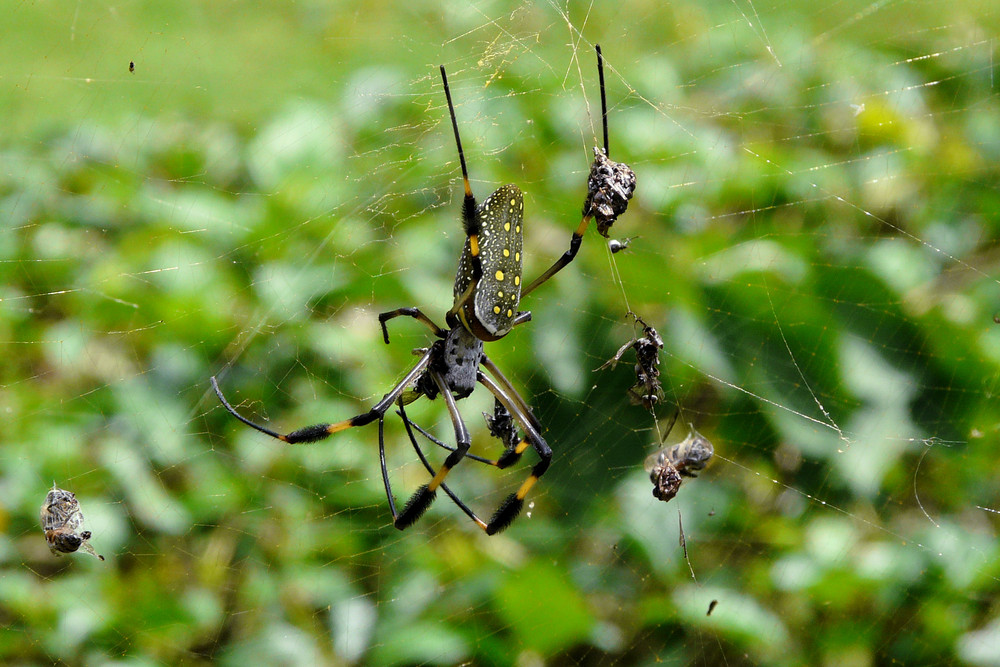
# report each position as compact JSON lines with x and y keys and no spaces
{"x":487,"y":294}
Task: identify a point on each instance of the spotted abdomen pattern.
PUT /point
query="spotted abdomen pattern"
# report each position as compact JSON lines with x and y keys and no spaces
{"x":489,"y":314}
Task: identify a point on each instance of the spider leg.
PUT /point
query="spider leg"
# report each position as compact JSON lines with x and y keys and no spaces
{"x":511,"y":506}
{"x":508,"y":388}
{"x":423,"y":459}
{"x":408,"y":312}
{"x":470,"y":221}
{"x":577,"y":238}
{"x":604,"y":99}
{"x":522,"y":317}
{"x":424,"y":496}
{"x":318,"y":432}
{"x":439,"y":443}
{"x":508,"y":458}
{"x":567,"y":257}
{"x":385,"y":471}
{"x":590,"y":207}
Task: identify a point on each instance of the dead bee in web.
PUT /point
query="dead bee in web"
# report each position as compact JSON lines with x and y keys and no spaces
{"x":667,"y":466}
{"x":664,"y":475}
{"x":647,"y":390}
{"x":691,"y":454}
{"x":61,"y":520}
{"x":616,"y":246}
{"x":609,"y":188}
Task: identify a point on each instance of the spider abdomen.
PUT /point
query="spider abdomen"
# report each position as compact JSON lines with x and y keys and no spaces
{"x":489,"y":313}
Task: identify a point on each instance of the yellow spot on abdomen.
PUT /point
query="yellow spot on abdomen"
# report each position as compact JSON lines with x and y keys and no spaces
{"x":517,"y":279}
{"x":506,"y":226}
{"x":499,"y":276}
{"x":496,"y":309}
{"x":506,"y":253}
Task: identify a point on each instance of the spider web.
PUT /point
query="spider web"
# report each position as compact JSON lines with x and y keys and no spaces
{"x":813,"y":236}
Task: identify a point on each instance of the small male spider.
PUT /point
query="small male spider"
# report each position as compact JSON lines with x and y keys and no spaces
{"x":487,"y":293}
{"x":616,"y":246}
{"x":61,"y":521}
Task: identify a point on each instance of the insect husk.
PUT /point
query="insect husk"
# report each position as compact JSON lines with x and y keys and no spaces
{"x":61,"y":520}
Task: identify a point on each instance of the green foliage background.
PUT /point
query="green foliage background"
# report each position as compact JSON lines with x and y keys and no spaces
{"x":816,"y":222}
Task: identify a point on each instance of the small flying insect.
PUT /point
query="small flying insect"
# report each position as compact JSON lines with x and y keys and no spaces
{"x":61,"y":520}
{"x":647,"y":390}
{"x":131,"y":66}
